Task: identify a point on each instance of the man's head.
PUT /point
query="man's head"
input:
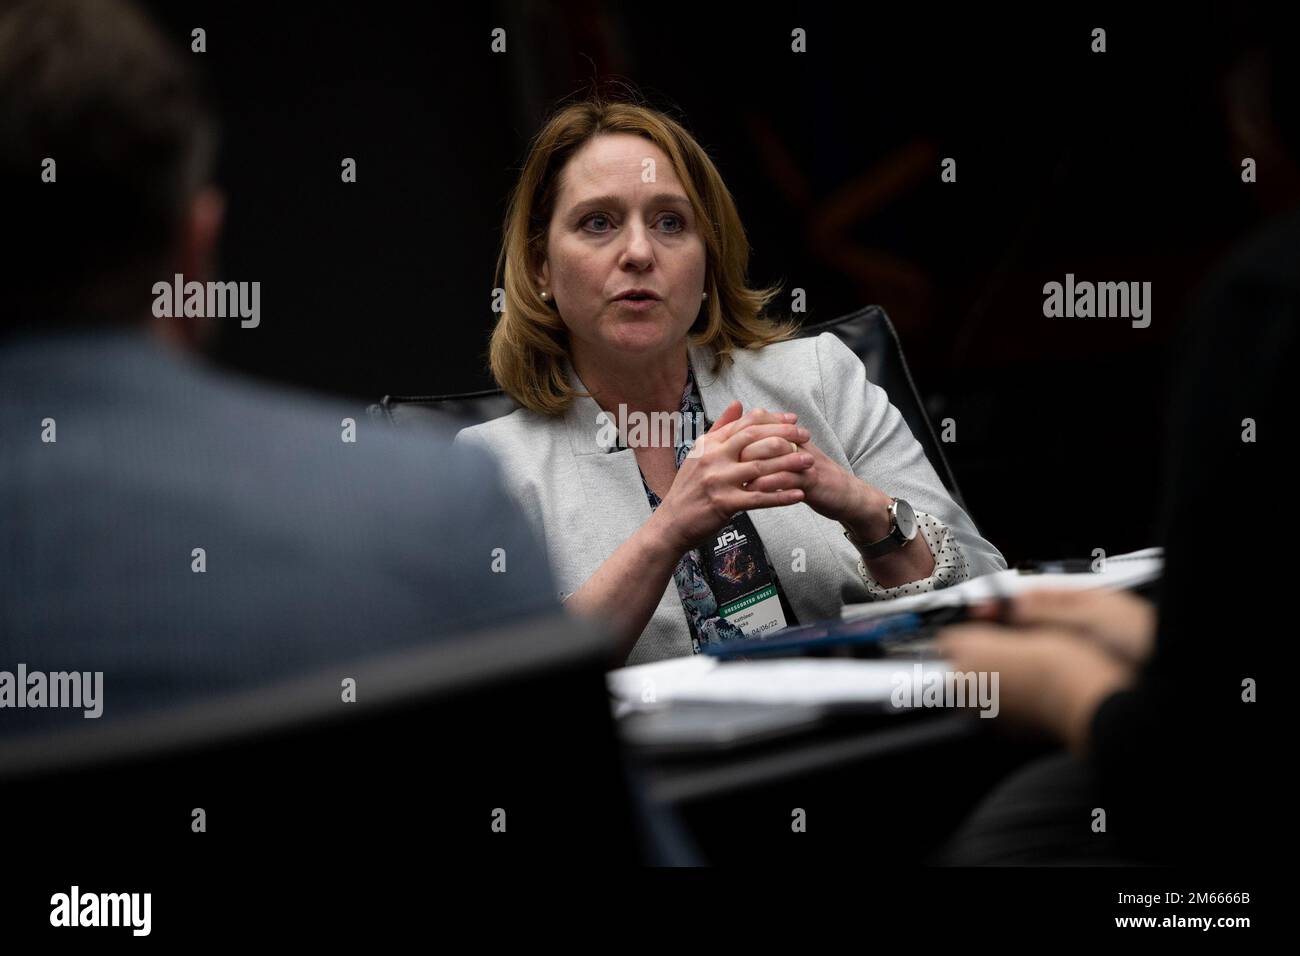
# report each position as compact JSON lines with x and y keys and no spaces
{"x":106,"y":153}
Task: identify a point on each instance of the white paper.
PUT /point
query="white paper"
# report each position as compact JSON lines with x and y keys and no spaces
{"x":1120,"y":571}
{"x":824,"y":681}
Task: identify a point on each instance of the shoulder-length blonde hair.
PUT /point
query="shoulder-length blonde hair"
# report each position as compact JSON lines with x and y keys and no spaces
{"x":530,"y":342}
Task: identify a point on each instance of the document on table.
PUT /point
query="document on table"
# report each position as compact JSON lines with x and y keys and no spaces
{"x":1119,"y":571}
{"x":811,"y":681}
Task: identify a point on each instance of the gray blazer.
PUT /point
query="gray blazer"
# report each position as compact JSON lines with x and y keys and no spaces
{"x":583,"y":501}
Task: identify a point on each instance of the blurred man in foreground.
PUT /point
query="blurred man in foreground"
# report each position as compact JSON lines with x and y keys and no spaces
{"x":183,"y":533}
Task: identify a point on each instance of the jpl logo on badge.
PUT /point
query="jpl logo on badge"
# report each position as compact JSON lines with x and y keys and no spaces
{"x":729,"y":537}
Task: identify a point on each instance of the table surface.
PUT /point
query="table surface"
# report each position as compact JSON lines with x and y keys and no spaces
{"x":841,"y":742}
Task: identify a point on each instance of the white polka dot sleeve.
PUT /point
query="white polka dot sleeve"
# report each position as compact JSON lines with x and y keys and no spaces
{"x":949,"y":563}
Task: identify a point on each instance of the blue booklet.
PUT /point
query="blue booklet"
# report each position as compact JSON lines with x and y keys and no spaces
{"x":863,"y":638}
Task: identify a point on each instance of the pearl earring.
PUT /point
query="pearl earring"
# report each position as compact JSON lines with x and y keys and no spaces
{"x":704,"y":296}
{"x":545,"y":294}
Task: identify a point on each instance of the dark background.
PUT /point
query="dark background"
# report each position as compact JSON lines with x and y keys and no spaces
{"x":1114,"y":166}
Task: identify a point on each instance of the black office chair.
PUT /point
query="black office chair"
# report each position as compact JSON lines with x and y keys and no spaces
{"x":867,"y":331}
{"x":291,"y":777}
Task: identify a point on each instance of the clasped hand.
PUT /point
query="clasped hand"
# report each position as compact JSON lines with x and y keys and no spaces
{"x":761,"y":459}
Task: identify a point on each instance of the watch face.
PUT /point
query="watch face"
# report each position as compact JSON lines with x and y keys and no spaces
{"x":906,"y":518}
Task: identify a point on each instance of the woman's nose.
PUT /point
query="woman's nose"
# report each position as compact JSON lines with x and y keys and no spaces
{"x":638,"y":249}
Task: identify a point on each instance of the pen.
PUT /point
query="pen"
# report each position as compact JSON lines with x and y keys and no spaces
{"x":1060,"y":566}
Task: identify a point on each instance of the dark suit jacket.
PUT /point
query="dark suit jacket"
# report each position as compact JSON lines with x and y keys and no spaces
{"x":317,"y":551}
{"x":1186,"y":766}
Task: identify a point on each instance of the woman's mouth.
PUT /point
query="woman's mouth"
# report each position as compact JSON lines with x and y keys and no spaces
{"x":637,"y":293}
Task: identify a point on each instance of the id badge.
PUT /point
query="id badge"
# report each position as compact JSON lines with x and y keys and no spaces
{"x":741,"y":581}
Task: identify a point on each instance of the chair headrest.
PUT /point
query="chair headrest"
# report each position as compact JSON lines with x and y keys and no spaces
{"x":867,"y":331}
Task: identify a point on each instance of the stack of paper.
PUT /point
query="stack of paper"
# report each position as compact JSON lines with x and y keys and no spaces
{"x":830,"y":682}
{"x":814,"y":681}
{"x":1119,"y":571}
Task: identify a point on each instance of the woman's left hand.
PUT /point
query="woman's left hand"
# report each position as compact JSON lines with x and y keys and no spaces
{"x":829,"y":488}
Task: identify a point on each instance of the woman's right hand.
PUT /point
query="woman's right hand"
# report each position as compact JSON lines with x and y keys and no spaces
{"x":709,"y":487}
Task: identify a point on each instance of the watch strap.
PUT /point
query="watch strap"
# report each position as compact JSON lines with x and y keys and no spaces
{"x":890,"y":543}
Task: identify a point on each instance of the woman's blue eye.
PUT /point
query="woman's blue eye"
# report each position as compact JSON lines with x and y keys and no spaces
{"x":681,"y":223}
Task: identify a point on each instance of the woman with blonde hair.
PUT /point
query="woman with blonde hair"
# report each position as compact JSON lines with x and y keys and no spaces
{"x":773,"y":483}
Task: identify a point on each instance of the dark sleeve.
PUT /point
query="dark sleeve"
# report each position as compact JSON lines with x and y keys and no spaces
{"x":1180,"y":758}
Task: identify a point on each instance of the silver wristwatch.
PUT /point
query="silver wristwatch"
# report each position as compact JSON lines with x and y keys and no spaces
{"x":902,"y":530}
